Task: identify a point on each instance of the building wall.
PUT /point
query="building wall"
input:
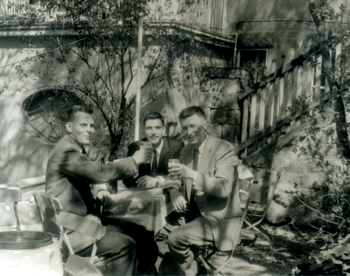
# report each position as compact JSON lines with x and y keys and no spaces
{"x":23,"y":154}
{"x":281,"y":27}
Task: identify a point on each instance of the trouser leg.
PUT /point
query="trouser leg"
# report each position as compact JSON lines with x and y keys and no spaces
{"x":119,"y":251}
{"x":147,"y":250}
{"x":197,"y":233}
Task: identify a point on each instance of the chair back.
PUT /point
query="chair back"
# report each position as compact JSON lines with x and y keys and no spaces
{"x":9,"y":196}
{"x":60,"y":223}
{"x":49,"y":209}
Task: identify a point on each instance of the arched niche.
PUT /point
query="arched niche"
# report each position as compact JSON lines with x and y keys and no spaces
{"x":46,"y":112}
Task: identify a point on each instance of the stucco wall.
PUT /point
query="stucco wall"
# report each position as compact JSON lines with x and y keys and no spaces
{"x":21,"y":154}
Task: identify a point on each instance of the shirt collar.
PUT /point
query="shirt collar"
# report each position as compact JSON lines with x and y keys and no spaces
{"x":70,"y":138}
{"x":159,"y":148}
{"x":201,"y":147}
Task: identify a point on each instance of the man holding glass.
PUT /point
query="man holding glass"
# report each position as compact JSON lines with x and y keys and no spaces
{"x":69,"y":175}
{"x":209,"y":174}
{"x":153,"y":173}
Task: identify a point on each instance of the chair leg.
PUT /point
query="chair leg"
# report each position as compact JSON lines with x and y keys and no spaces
{"x":259,"y":231}
{"x":208,"y":267}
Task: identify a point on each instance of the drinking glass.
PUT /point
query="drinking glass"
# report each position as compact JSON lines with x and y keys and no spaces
{"x":146,"y":144}
{"x":171,"y":162}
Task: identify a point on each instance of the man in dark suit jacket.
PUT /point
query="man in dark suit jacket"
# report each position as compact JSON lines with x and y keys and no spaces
{"x":210,"y":179}
{"x":68,"y":178}
{"x":152,"y":174}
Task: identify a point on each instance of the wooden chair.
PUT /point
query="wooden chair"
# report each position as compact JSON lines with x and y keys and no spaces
{"x":257,"y":213}
{"x":209,"y":251}
{"x":61,"y":223}
{"x":9,"y":197}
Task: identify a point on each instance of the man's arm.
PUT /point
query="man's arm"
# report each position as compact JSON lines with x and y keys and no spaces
{"x":218,"y":181}
{"x":78,"y":165}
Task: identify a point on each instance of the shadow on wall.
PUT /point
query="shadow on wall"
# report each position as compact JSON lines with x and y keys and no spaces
{"x":219,"y":102}
{"x":21,"y":154}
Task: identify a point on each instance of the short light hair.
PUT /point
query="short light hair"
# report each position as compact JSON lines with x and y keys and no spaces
{"x":153,"y":116}
{"x":78,"y":108}
{"x":192,"y":110}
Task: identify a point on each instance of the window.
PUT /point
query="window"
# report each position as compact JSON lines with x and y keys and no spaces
{"x":254,"y":62}
{"x":46,"y":112}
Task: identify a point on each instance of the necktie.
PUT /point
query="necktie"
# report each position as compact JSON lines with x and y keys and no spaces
{"x":155,"y":163}
{"x":194,"y":167}
{"x":195,"y":159}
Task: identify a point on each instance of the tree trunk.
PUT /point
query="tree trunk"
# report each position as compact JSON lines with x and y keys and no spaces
{"x":341,"y":124}
{"x":328,"y":65}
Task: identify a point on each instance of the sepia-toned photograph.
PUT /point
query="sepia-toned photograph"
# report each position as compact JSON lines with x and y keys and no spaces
{"x":174,"y":137}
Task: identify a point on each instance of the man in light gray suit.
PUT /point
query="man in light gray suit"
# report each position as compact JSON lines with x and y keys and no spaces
{"x":208,"y":170}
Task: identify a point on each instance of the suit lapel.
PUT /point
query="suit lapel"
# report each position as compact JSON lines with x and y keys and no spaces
{"x":203,"y":164}
{"x":188,"y":161}
{"x":163,"y":158}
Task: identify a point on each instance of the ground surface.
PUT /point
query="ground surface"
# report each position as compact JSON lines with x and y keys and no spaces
{"x":291,"y":247}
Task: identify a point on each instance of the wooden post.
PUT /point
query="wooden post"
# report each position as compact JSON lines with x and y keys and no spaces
{"x":318,"y":77}
{"x":299,"y":81}
{"x":307,"y":82}
{"x":276,"y":99}
{"x":244,"y":136}
{"x":138,"y":92}
{"x":262,"y":110}
{"x":271,"y":90}
{"x":253,"y":114}
{"x":280,"y":99}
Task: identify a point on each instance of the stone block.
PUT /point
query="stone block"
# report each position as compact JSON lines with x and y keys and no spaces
{"x":206,"y":111}
{"x":228,"y":133}
{"x":218,"y":100}
{"x":205,"y":99}
{"x":215,"y":130}
{"x":225,"y":116}
{"x":231,"y":101}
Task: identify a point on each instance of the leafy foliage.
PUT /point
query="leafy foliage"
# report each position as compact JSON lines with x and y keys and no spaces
{"x":91,"y":50}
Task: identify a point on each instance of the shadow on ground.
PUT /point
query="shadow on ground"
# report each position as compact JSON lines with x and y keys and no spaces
{"x":290,"y":247}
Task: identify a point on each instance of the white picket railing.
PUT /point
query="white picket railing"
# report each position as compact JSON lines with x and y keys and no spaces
{"x":278,"y":102}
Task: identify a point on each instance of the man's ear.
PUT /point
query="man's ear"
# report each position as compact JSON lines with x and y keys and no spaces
{"x":164,"y":130}
{"x":69,"y":127}
{"x":205,"y":124}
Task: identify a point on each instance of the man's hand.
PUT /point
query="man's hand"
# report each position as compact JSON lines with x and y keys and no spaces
{"x":143,"y":155}
{"x":179,"y":202}
{"x":181,"y":171}
{"x":146,"y":182}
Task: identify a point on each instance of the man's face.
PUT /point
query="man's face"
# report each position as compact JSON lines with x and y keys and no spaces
{"x":82,"y":128}
{"x":154,"y":131}
{"x":194,"y":128}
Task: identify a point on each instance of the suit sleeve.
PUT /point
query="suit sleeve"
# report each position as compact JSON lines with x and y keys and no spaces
{"x":177,"y":152}
{"x":132,"y":148}
{"x":218,"y":181}
{"x":78,"y":165}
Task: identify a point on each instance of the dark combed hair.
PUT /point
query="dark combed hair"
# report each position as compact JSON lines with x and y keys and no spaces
{"x":191,"y":110}
{"x":78,"y":108}
{"x":153,"y":116}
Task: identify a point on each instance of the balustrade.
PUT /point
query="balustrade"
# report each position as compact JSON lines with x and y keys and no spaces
{"x":280,"y":101}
